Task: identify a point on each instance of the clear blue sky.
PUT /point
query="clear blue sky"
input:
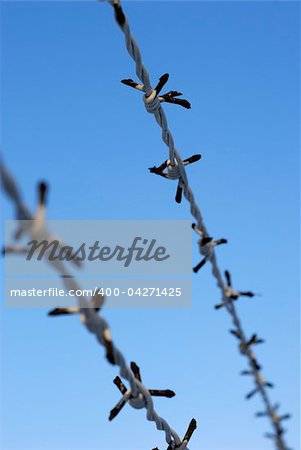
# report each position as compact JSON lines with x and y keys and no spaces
{"x":67,"y":118}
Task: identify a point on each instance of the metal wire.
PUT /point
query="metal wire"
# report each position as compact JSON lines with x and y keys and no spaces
{"x":153,"y":106}
{"x":138,"y":396}
{"x":34,"y":225}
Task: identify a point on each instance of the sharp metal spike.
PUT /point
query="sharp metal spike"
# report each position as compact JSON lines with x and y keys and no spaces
{"x":162,"y":81}
{"x":190,"y":430}
{"x":63,"y":311}
{"x":42,"y":188}
{"x":247,"y":293}
{"x":133,"y":84}
{"x":161,"y":393}
{"x":196,"y":229}
{"x":116,"y":410}
{"x":246,"y":372}
{"x":174,"y":94}
{"x":236,"y":334}
{"x":199,"y":265}
{"x":177,"y":101}
{"x":117,"y":381}
{"x":251,"y":393}
{"x":219,"y":305}
{"x":285,"y":417}
{"x":178,"y":197}
{"x":228,"y":277}
{"x":261,"y":414}
{"x":221,"y":241}
{"x":136,"y":371}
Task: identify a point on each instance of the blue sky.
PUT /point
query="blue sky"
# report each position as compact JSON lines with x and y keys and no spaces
{"x":67,"y":118}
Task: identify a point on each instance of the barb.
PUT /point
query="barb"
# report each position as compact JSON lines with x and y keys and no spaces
{"x":231,"y":294}
{"x":191,"y":428}
{"x":173,"y":172}
{"x":153,"y":106}
{"x":138,"y":396}
{"x":127,"y":395}
{"x":205,"y":245}
{"x":169,"y":97}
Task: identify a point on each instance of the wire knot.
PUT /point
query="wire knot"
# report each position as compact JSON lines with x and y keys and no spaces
{"x":173,"y":172}
{"x":152,"y":103}
{"x":206,"y":244}
{"x":137,"y":402}
{"x":230,"y":294}
{"x":205,"y":249}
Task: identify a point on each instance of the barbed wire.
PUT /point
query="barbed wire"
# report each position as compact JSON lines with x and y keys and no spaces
{"x":176,"y":170}
{"x":137,"y":395}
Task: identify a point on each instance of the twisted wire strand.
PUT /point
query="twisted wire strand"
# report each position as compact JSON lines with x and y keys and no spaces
{"x":141,"y":397}
{"x":153,"y":106}
{"x":138,"y":395}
